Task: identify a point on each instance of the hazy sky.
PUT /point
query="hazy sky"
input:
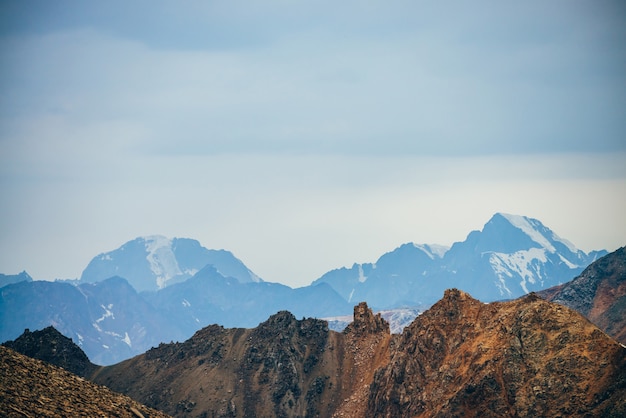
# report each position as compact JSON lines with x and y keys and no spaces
{"x":305,"y":135}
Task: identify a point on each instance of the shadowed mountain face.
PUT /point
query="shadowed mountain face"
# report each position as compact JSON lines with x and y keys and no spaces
{"x":599,"y":293}
{"x":462,"y":357}
{"x":33,"y":388}
{"x":111,"y":322}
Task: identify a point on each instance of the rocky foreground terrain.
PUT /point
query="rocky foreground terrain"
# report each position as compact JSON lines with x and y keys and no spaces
{"x":462,"y":357}
{"x":33,"y":388}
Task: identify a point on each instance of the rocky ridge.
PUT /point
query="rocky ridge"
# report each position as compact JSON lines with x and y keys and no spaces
{"x":526,"y":357}
{"x":599,"y":293}
{"x":284,"y":368}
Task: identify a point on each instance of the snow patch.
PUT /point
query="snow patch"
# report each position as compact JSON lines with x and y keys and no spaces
{"x":362,"y":277}
{"x":350,"y":297}
{"x":567,"y":262}
{"x":126,"y":339}
{"x":525,"y":264}
{"x":162,"y":260}
{"x":80,"y":339}
{"x":186,"y":303}
{"x":433,"y":250}
{"x":108,"y":313}
{"x":565,"y":242}
{"x":191,"y":272}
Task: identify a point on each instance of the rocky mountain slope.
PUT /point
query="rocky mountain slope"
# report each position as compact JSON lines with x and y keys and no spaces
{"x":521,"y":358}
{"x":154,"y":262}
{"x":462,"y":357}
{"x":283,"y":368}
{"x":599,"y":293}
{"x":30,"y":387}
{"x":511,"y":256}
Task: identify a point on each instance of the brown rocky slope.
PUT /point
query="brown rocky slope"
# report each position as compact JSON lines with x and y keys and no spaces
{"x":33,"y":388}
{"x":521,"y":358}
{"x":599,"y":293}
{"x":283,"y":368}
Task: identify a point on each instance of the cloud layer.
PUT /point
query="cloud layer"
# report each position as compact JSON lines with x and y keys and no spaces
{"x":305,"y":135}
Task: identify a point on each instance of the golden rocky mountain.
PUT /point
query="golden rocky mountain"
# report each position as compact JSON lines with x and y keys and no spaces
{"x":523,"y":358}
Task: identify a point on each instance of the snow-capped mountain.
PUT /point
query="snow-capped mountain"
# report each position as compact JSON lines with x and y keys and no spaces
{"x":511,"y":256}
{"x":154,"y":262}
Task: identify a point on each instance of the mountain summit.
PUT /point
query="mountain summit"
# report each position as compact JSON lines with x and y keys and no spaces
{"x":154,"y":262}
{"x":511,"y":256}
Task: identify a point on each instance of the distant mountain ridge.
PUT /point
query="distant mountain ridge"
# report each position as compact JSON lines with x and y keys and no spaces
{"x":6,"y":279}
{"x":111,"y":321}
{"x":154,"y":262}
{"x":512,"y":256}
{"x":156,"y":289}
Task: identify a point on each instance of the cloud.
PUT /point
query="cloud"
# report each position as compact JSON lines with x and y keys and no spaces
{"x":344,"y":80}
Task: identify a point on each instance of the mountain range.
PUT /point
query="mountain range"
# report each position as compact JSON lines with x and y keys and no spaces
{"x":461,"y":357}
{"x":510,"y":257}
{"x":155,"y":289}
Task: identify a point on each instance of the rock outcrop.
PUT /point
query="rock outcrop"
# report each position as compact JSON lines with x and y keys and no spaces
{"x":599,"y":293}
{"x":526,"y":357}
{"x":33,"y":388}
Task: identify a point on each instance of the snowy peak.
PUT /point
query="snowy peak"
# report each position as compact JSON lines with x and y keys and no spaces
{"x":530,"y":227}
{"x":511,"y":256}
{"x":539,"y":233}
{"x":154,"y":262}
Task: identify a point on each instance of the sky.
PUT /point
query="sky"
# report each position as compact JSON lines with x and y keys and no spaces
{"x":304,"y":136}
